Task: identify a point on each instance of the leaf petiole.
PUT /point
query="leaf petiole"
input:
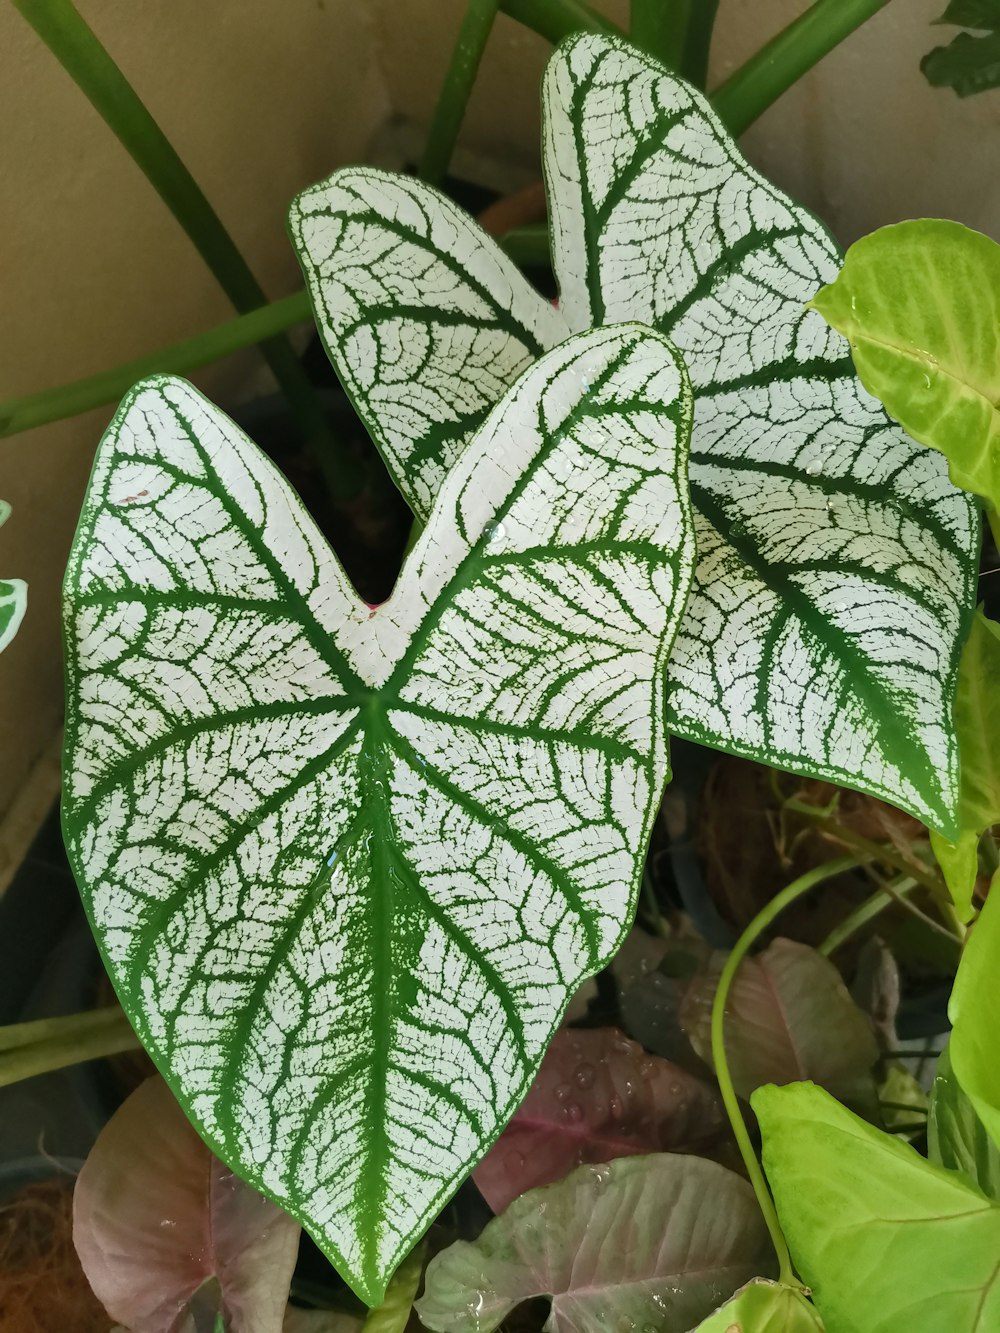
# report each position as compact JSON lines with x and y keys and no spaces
{"x":743,"y":945}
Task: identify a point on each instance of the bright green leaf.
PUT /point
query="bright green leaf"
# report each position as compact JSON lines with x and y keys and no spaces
{"x":975,"y":1037}
{"x":956,"y":1137}
{"x":643,"y":1242}
{"x":835,"y":562}
{"x":887,"y":1242}
{"x":920,"y":304}
{"x":977,"y":723}
{"x":764,"y":1307}
{"x":348,"y":866}
{"x":13,"y":596}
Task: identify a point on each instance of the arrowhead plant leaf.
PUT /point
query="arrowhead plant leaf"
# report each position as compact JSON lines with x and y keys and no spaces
{"x":835,"y":573}
{"x":13,"y":596}
{"x":347,"y":867}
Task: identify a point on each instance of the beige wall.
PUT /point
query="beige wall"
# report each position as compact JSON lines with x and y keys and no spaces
{"x":261,"y":98}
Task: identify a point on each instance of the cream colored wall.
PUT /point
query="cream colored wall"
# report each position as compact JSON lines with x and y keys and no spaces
{"x":261,"y":98}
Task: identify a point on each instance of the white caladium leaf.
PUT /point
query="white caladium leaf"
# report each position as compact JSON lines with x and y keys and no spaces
{"x":13,"y":596}
{"x":836,"y":561}
{"x":427,"y":319}
{"x":836,"y":565}
{"x":347,"y":867}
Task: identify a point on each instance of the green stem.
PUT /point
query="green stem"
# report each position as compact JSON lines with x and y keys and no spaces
{"x":748,"y":92}
{"x":27,"y":1049}
{"x":660,"y":28}
{"x":528,"y":246}
{"x":38,"y":409}
{"x":699,"y":42}
{"x":867,"y":911}
{"x":77,"y":48}
{"x":757,"y":926}
{"x":556,"y":19}
{"x":454,"y":96}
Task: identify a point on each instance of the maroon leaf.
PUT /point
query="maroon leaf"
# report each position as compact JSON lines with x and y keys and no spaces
{"x":156,"y":1217}
{"x":597,"y":1096}
{"x":788,"y":1017}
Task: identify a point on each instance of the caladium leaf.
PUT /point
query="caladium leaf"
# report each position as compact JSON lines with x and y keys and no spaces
{"x":347,"y":866}
{"x":644,"y":1242}
{"x":13,"y":596}
{"x":596,"y":1097}
{"x":789,"y":1017}
{"x":836,"y":563}
{"x":426,"y":318}
{"x":835,"y":559}
{"x":156,"y":1217}
{"x":884,"y":1239}
{"x":956,"y":1137}
{"x":764,"y":1307}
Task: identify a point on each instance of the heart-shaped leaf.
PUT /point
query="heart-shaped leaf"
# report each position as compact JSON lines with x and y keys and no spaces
{"x":789,"y":1017}
{"x":427,"y":319}
{"x":920,"y":304}
{"x":974,"y":1048}
{"x":884,"y":1239}
{"x":643,"y":1242}
{"x":956,"y":1137}
{"x":836,"y":562}
{"x":156,"y":1217}
{"x":13,"y":596}
{"x":967,"y":64}
{"x":347,"y":866}
{"x":597,"y":1096}
{"x":764,"y":1307}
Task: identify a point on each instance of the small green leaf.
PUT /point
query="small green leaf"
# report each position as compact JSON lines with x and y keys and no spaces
{"x":764,"y":1307}
{"x":919,"y":303}
{"x":643,"y":1242}
{"x":13,"y":596}
{"x":348,"y":866}
{"x":885,"y":1240}
{"x":956,"y":1137}
{"x":977,"y":725}
{"x":982,"y":14}
{"x":967,"y":64}
{"x":789,"y":1016}
{"x":975,"y":1039}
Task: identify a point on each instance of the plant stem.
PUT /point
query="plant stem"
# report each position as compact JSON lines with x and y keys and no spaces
{"x":27,"y":1049}
{"x":742,"y":947}
{"x":867,"y":911}
{"x":454,"y":96}
{"x":556,"y":19}
{"x":38,"y":409}
{"x":660,"y":28}
{"x":77,"y":48}
{"x":528,"y":246}
{"x":699,"y":42}
{"x":748,"y":92}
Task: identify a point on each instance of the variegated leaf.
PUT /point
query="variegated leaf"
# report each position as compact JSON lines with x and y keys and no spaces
{"x":835,"y":559}
{"x":836,"y":562}
{"x":346,"y":866}
{"x":427,"y":320}
{"x":13,"y":596}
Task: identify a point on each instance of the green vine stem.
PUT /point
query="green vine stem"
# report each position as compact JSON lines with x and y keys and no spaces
{"x":75,"y":45}
{"x":38,"y":409}
{"x":454,"y":96}
{"x":751,"y":89}
{"x":743,"y":945}
{"x":27,"y":1049}
{"x":556,"y":19}
{"x":865,"y":912}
